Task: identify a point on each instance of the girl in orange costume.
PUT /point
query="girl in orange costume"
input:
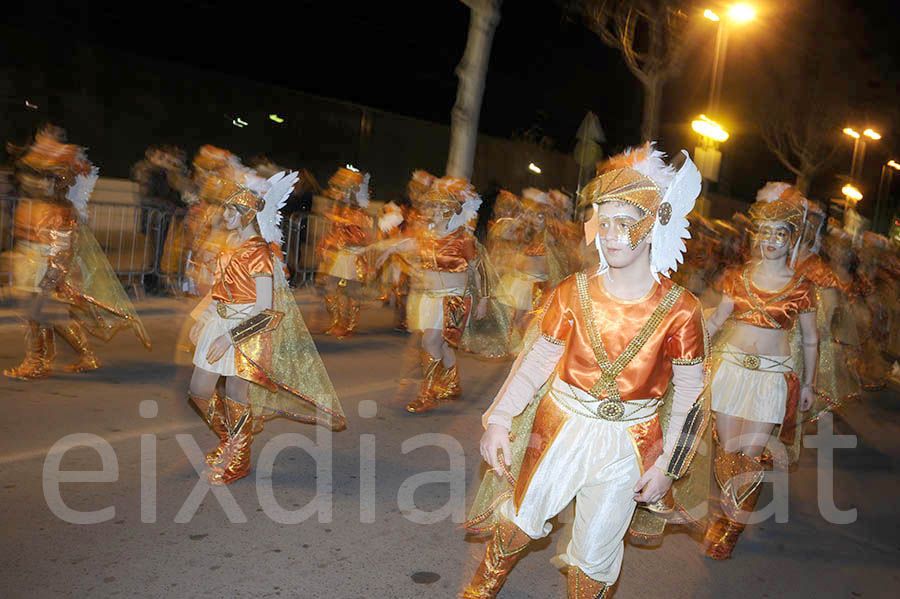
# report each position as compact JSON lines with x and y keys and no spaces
{"x":754,"y":388}
{"x":249,"y":330}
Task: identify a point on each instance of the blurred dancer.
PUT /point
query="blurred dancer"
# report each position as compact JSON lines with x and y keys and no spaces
{"x":754,"y":388}
{"x":445,"y":253}
{"x":343,"y":268}
{"x":250,"y":331}
{"x":616,"y":338}
{"x":393,"y":224}
{"x":60,"y":274}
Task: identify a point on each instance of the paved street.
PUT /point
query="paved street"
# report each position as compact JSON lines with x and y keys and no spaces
{"x":365,"y":541}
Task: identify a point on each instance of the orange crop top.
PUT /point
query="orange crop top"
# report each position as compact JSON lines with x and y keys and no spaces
{"x":678,"y":339}
{"x":237,"y":269}
{"x":37,"y":221}
{"x":819,"y":272}
{"x":349,"y":227}
{"x":767,"y":309}
{"x":451,"y":253}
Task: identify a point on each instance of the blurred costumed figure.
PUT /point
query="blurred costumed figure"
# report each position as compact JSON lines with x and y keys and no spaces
{"x":343,"y":268}
{"x":543,"y":257}
{"x":604,"y":404}
{"x":205,"y":232}
{"x":837,"y":379}
{"x":61,"y":277}
{"x":250,"y":331}
{"x":756,"y":395}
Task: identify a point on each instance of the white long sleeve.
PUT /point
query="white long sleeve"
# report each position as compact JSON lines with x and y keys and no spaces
{"x":519,"y":389}
{"x":688,"y":383}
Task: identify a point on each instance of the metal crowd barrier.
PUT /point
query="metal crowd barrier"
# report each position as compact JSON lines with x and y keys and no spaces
{"x":146,"y":244}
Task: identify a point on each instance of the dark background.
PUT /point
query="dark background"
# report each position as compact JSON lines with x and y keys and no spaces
{"x":179,"y":72}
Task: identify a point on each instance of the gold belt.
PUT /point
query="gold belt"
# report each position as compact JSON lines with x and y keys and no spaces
{"x":613,"y":410}
{"x":228,"y":312}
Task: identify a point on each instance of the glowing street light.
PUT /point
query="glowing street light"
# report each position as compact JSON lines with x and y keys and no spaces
{"x":707,"y":127}
{"x":276,"y":118}
{"x":859,"y":149}
{"x":851,"y":192}
{"x":711,"y":15}
{"x":534,"y":168}
{"x":894,"y":165}
{"x":741,"y":12}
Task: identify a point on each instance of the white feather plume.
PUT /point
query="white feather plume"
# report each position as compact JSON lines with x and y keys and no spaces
{"x":362,"y":195}
{"x":652,"y":164}
{"x":771,"y":191}
{"x":80,"y":192}
{"x":269,"y":218}
{"x":468,"y":213}
{"x":391,"y":218}
{"x":667,"y":241}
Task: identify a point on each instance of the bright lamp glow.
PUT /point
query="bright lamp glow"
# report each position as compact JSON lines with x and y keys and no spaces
{"x":350,"y":167}
{"x":709,"y":128}
{"x":851,"y":192}
{"x":893,"y":164}
{"x":741,"y":13}
{"x":711,"y":15}
{"x":534,"y":168}
{"x":276,"y":118}
{"x":872,"y":134}
{"x":851,"y":132}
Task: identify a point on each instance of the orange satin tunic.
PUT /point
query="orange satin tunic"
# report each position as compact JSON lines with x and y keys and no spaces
{"x":38,"y":220}
{"x":767,"y":309}
{"x":536,"y":247}
{"x":677,"y":340}
{"x":237,"y":269}
{"x":819,"y":272}
{"x":451,"y":253}
{"x":349,"y":227}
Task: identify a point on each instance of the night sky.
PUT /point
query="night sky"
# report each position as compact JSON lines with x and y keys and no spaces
{"x":547,"y":70}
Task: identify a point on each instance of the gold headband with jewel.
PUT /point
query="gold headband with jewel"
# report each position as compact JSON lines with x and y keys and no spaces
{"x":629,"y":186}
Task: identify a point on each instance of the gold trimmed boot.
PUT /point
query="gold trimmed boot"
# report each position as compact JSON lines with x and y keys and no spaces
{"x":75,"y":335}
{"x":40,"y":349}
{"x":502,"y":552}
{"x":213,"y":412}
{"x":582,"y":586}
{"x":350,"y":318}
{"x":448,"y":388}
{"x":334,"y":314}
{"x":431,"y":373}
{"x":740,"y":492}
{"x":234,"y":462}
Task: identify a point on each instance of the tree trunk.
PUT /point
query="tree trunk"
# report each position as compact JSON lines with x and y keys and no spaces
{"x":472,"y":72}
{"x":802,"y":184}
{"x":653,"y":91}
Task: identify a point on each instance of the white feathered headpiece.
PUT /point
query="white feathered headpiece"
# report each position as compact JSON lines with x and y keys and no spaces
{"x":280,"y":186}
{"x":391,"y":219}
{"x":468,"y":215}
{"x":80,"y":192}
{"x":664,"y":196}
{"x":671,"y":227}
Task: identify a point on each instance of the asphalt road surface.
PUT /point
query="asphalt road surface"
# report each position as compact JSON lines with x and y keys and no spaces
{"x":370,"y":512}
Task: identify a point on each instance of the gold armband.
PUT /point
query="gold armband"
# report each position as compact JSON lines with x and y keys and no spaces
{"x":264,"y":322}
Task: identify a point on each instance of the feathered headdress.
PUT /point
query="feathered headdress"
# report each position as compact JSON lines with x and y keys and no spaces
{"x":638,"y":177}
{"x":269,"y":218}
{"x":80,"y":192}
{"x":391,"y":219}
{"x":664,"y":196}
{"x":468,"y":215}
{"x":779,"y":201}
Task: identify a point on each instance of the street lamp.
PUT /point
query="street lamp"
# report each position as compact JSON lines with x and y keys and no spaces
{"x":738,"y":14}
{"x":707,"y":127}
{"x":884,"y":189}
{"x":859,"y":149}
{"x":851,"y":193}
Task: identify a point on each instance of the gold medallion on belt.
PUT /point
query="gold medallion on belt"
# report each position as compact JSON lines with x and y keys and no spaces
{"x":611,"y":409}
{"x":751,"y":362}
